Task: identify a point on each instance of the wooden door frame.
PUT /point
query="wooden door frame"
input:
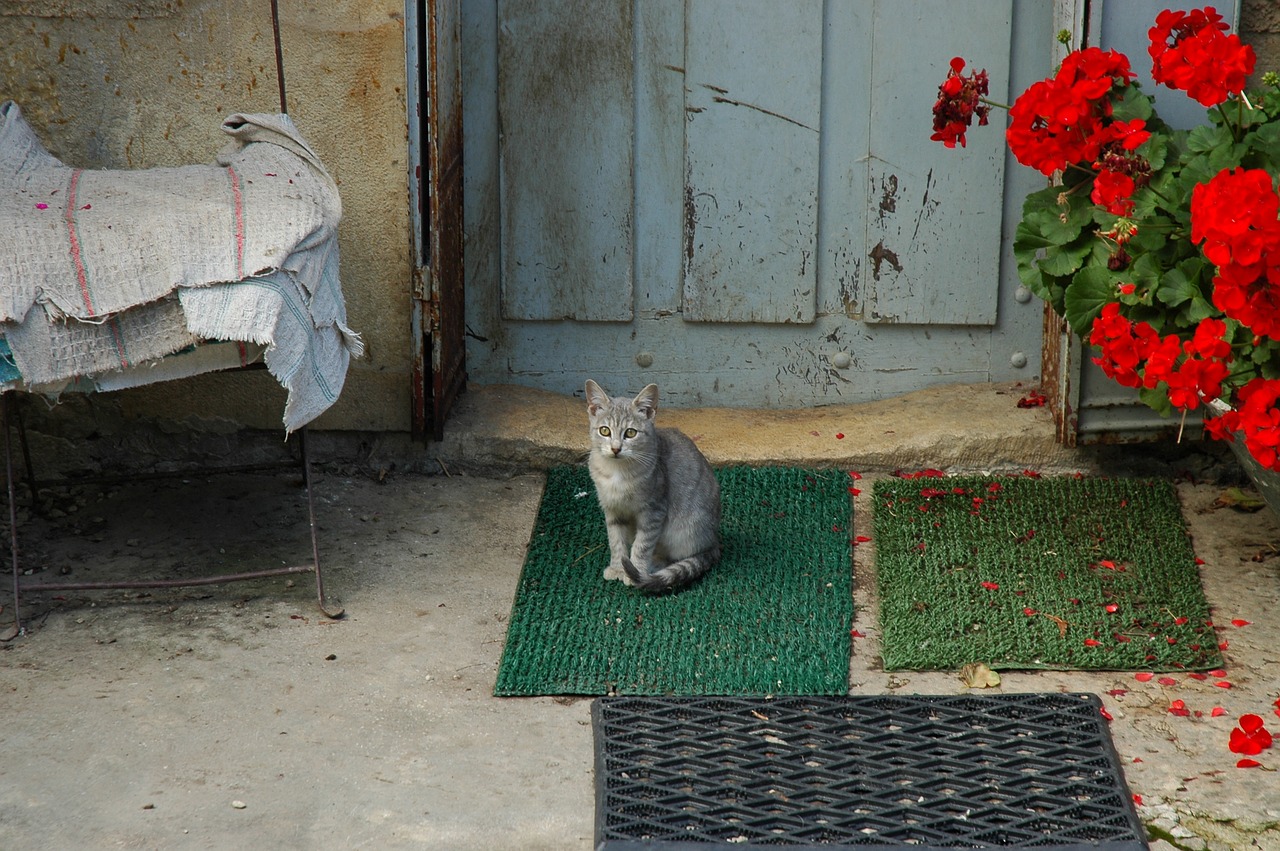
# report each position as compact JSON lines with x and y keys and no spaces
{"x":437,"y":320}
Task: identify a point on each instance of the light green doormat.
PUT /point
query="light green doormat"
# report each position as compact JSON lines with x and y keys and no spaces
{"x":772,"y":618}
{"x":1023,"y":573}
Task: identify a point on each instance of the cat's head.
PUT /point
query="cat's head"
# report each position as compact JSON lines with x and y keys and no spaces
{"x":620,"y":427}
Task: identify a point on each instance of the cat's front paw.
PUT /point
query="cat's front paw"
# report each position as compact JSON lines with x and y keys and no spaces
{"x":615,"y":571}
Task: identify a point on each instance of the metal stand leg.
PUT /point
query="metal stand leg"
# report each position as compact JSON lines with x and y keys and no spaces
{"x":314,"y":567}
{"x":334,"y":613}
{"x":6,"y":399}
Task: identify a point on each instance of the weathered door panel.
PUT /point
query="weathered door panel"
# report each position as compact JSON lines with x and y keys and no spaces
{"x":566,"y":99}
{"x":751,"y":141}
{"x":752,"y":121}
{"x":935,"y":214}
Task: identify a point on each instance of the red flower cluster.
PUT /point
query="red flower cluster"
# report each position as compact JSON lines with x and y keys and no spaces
{"x":959,"y":100}
{"x":1135,"y":355}
{"x":1257,"y":417}
{"x":1066,"y":119}
{"x":1192,"y":53}
{"x":1237,"y":217}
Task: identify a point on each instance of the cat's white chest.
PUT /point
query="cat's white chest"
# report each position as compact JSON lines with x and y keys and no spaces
{"x":614,"y":482}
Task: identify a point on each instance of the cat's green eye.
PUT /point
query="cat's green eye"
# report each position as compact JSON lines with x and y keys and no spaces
{"x":604,"y":431}
{"x":629,"y":433}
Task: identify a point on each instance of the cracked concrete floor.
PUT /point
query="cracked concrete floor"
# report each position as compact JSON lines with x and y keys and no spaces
{"x":237,"y":716}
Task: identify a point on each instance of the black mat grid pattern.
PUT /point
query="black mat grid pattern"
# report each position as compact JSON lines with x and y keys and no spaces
{"x":865,"y":772}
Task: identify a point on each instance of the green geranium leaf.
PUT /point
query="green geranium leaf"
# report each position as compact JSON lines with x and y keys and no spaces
{"x":1157,"y":399}
{"x":1181,"y":284}
{"x":1090,"y":289}
{"x":1206,"y":138}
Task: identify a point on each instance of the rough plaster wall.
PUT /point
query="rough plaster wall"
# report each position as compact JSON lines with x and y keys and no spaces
{"x":1260,"y":27}
{"x":145,"y":83}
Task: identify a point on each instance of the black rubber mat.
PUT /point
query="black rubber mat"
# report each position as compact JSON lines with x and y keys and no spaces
{"x":864,"y":772}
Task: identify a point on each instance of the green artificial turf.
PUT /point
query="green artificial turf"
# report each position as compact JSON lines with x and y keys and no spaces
{"x":1025,"y":572}
{"x":773,"y":617}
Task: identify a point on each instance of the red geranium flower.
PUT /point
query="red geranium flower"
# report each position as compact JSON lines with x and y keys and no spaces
{"x":959,"y":101}
{"x":1251,"y":737}
{"x":1190,"y":52}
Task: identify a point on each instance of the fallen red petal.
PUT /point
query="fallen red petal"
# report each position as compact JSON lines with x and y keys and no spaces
{"x":991,"y":586}
{"x":839,"y":436}
{"x":1143,"y":676}
{"x":1217,"y":672}
{"x":1248,"y":763}
{"x":1167,"y":681}
{"x":1092,"y":642}
{"x":1240,"y":622}
{"x":1217,"y":711}
{"x":854,"y":476}
{"x":1222,"y":684}
{"x":1105,"y":713}
{"x":855,"y":491}
{"x":1112,"y":608}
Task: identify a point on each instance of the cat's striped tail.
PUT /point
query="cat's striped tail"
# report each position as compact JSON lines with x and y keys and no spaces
{"x":674,"y":575}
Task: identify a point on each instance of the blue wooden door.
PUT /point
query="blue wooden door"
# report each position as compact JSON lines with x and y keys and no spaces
{"x":738,"y":199}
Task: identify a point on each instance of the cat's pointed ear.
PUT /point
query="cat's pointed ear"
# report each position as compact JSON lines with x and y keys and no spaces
{"x":596,"y":398}
{"x":647,"y":401}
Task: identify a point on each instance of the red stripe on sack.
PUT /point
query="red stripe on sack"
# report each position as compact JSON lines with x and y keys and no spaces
{"x":239,"y":202}
{"x":82,"y":277}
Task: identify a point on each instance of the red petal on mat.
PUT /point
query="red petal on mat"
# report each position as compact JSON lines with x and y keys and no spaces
{"x":1112,"y":608}
{"x":855,"y":491}
{"x":1102,"y":710}
{"x":861,"y":539}
{"x":994,"y":487}
{"x":1240,"y":622}
{"x":1248,"y":763}
{"x":1217,"y":672}
{"x":1224,"y":645}
{"x":1029,"y":612}
{"x":1218,"y":711}
{"x":1179,"y":707}
{"x":42,"y":206}
{"x":1222,"y":684}
{"x":1118,"y":692}
{"x":1031,"y":474}
{"x":854,"y":475}
{"x":1143,"y":676}
{"x":991,"y":586}
{"x":1179,"y":621}
{"x":1199,"y":560}
{"x":1167,"y":681}
{"x":1092,"y":642}
{"x":839,"y":435}
{"x":853,"y":633}
{"x":1196,"y":675}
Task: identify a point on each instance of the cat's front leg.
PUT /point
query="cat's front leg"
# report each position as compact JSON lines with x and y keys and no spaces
{"x":621,"y":535}
{"x":644,"y":547}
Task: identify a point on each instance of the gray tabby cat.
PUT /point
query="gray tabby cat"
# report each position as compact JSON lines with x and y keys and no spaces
{"x":661,"y":501}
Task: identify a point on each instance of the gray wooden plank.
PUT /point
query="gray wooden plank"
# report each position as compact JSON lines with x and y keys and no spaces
{"x":753,"y":93}
{"x":566,"y":115}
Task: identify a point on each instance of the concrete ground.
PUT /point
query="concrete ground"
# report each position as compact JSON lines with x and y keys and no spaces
{"x":237,"y":716}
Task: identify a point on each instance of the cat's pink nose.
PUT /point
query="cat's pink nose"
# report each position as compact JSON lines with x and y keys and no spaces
{"x":616,"y":450}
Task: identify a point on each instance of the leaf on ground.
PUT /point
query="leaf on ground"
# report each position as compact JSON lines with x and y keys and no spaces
{"x":1240,"y":500}
{"x":978,"y":675}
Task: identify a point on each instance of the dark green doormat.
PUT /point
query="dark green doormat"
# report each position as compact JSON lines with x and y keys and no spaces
{"x":1025,"y":572}
{"x":772,"y":618}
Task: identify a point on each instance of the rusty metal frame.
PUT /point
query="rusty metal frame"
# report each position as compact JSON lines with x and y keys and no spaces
{"x":9,"y":413}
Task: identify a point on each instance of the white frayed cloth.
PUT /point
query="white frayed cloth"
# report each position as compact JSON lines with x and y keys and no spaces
{"x":103,"y":273}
